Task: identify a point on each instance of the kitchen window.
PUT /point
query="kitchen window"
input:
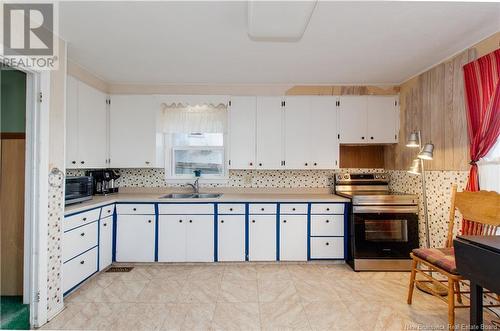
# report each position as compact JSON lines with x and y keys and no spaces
{"x":195,"y":139}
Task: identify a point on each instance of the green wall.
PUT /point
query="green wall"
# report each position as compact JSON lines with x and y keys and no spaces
{"x":13,"y":100}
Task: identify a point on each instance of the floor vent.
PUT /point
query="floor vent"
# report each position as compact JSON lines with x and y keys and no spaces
{"x":119,"y":269}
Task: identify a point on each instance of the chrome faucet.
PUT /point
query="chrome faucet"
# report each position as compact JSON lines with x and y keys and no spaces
{"x":195,"y":185}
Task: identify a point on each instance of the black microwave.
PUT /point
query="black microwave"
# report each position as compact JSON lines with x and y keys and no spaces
{"x":78,"y":189}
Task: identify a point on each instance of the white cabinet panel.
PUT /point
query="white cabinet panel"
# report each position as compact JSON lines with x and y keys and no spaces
{"x":135,"y":209}
{"x":293,"y":208}
{"x":78,"y":269}
{"x":72,"y":123}
{"x":269,"y":147}
{"x":262,"y":208}
{"x":327,"y":208}
{"x":262,"y":238}
{"x":105,"y":242}
{"x":327,"y":225}
{"x":135,"y":238}
{"x":242,"y":132}
{"x":200,"y":238}
{"x":172,"y":238}
{"x":297,"y":132}
{"x":132,"y":136}
{"x":293,"y":237}
{"x":352,"y":119}
{"x":80,"y":219}
{"x":79,"y":240}
{"x":327,"y":248}
{"x":382,"y":120}
{"x":92,"y":127}
{"x":231,"y":208}
{"x":231,"y":238}
{"x":324,"y":149}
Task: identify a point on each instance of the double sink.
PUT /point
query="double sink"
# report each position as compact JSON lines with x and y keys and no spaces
{"x":191,"y":196}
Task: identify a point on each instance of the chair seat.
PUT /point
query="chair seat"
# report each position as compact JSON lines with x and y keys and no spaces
{"x":443,"y":258}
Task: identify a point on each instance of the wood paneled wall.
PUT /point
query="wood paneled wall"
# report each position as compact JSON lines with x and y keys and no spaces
{"x":342,"y":90}
{"x":370,"y":156}
{"x":433,"y":103}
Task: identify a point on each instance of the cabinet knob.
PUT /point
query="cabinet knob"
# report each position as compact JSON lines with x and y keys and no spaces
{"x":147,"y":162}
{"x":149,"y":221}
{"x":363,"y":138}
{"x":262,"y":209}
{"x":251,"y":163}
{"x":84,"y":219}
{"x":371,"y":138}
{"x":109,"y":211}
{"x":327,"y":221}
{"x":327,"y":209}
{"x":253,"y":221}
{"x":82,"y":262}
{"x":284,"y":221}
{"x":180,"y":221}
{"x":230,"y":209}
{"x":305,"y":164}
{"x":104,"y":224}
{"x":260,"y":164}
{"x":82,"y":162}
{"x":327,"y":244}
{"x":134,"y":209}
{"x":190,"y":221}
{"x":222,"y":221}
{"x":293,"y":209}
{"x":74,"y":162}
{"x":82,"y":234}
{"x":315,"y":164}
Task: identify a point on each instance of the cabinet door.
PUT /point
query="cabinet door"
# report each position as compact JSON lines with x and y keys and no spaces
{"x":324,"y":143}
{"x":105,"y":242}
{"x":269,"y":133}
{"x":242,"y":132}
{"x":92,"y":127}
{"x":231,"y":238}
{"x":382,"y":120}
{"x":132,"y":136}
{"x":135,"y":238}
{"x":352,"y":119}
{"x":297,"y":133}
{"x":293,"y":237}
{"x":72,"y":160}
{"x":200,"y":238}
{"x":172,"y":238}
{"x":262,"y":238}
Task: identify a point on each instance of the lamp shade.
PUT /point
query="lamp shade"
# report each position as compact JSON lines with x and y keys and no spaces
{"x":427,"y":153}
{"x":415,"y":167}
{"x":413,"y":140}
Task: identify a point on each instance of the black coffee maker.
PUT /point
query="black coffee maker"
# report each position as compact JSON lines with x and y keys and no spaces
{"x":104,"y":181}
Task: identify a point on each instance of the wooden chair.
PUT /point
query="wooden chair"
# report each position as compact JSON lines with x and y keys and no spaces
{"x":483,"y":210}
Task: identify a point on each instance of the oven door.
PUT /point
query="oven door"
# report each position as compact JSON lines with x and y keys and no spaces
{"x":384,"y":231}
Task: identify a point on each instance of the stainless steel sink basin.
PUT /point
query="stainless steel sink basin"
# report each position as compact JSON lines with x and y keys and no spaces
{"x":191,"y":196}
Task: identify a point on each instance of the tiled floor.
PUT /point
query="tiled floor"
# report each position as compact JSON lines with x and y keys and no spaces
{"x":249,"y":296}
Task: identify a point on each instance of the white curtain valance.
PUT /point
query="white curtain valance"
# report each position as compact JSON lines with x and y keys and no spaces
{"x":201,"y":118}
{"x":193,"y":100}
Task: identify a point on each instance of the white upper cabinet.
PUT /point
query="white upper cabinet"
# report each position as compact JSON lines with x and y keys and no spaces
{"x":269,"y":146}
{"x":310,"y":132}
{"x":352,"y":119}
{"x":86,"y":126}
{"x":382,"y":119}
{"x":324,"y":142}
{"x":242,"y":131}
{"x":368,"y":119}
{"x":133,"y":133}
{"x":297,"y":132}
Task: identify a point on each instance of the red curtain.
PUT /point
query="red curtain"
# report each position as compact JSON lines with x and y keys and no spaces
{"x":482,"y":91}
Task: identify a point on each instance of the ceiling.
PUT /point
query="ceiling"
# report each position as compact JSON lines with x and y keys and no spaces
{"x":208,"y":42}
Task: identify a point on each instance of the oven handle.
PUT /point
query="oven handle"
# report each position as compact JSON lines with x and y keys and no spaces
{"x":384,"y":209}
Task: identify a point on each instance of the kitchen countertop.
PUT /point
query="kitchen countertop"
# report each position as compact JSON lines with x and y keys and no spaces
{"x":98,"y":201}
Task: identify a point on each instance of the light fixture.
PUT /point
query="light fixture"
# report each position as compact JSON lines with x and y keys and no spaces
{"x":415,"y":167}
{"x":427,"y":152}
{"x":413,"y":140}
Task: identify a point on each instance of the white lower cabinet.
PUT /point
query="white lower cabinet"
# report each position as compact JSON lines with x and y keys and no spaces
{"x":79,"y":240}
{"x":105,"y":242}
{"x":231,"y":238}
{"x":262,"y":238}
{"x":135,"y":238}
{"x":293,"y":237}
{"x":186,"y":238}
{"x":327,"y":248}
{"x":78,"y":269}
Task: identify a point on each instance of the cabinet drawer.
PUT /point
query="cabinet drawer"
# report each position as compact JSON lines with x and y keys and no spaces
{"x":262,"y":208}
{"x":327,"y":225}
{"x":79,"y":240}
{"x":327,"y":248}
{"x":327,"y":208}
{"x":186,"y":208}
{"x":231,"y":208}
{"x":80,"y":219}
{"x":78,"y":269}
{"x":293,"y":208}
{"x":135,"y":209}
{"x":107,"y":211}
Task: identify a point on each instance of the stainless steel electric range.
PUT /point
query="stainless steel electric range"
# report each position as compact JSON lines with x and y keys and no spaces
{"x":383,"y":227}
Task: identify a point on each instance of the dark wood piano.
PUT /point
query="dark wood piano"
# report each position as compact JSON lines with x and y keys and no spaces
{"x":478,"y":260}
